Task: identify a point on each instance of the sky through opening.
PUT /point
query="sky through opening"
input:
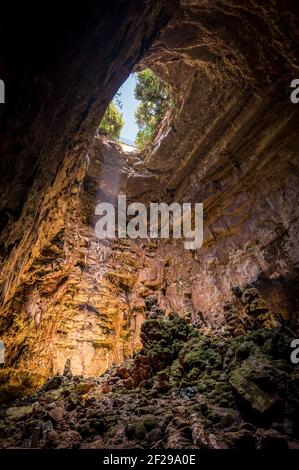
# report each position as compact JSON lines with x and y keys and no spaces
{"x":129,"y":106}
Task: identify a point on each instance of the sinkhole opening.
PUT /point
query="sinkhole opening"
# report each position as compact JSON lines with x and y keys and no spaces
{"x":134,"y":115}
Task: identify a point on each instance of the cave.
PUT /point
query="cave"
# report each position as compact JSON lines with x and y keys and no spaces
{"x":123,"y":343}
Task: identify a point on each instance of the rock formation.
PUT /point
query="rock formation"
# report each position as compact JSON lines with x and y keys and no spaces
{"x":207,"y":329}
{"x":182,"y":390}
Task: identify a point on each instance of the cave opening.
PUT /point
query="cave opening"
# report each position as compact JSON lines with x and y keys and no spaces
{"x":190,"y":345}
{"x":134,"y":115}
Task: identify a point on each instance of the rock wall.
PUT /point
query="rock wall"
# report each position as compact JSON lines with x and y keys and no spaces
{"x":57,"y":88}
{"x":229,"y":141}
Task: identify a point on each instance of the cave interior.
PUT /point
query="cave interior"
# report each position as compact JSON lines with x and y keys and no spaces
{"x":122,"y":343}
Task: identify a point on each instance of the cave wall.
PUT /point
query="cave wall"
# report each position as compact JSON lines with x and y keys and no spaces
{"x":61,"y":66}
{"x":230,"y":141}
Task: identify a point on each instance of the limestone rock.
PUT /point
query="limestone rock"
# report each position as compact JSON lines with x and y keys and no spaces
{"x":20,"y":412}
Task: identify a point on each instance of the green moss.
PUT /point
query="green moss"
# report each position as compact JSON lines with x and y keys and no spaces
{"x":184,"y":383}
{"x":199,"y":353}
{"x":226,"y":402}
{"x":179,"y":328}
{"x":159,"y":356}
{"x":150,"y":422}
{"x":202,"y":387}
{"x":215,"y":374}
{"x":175,"y":373}
{"x":193,"y":375}
{"x":191,"y":358}
{"x":177,"y":346}
{"x":245,"y":349}
{"x":140,"y":431}
{"x":153,"y":330}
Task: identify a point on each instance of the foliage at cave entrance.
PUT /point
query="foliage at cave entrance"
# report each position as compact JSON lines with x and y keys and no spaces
{"x":154,"y":98}
{"x":112,"y":123}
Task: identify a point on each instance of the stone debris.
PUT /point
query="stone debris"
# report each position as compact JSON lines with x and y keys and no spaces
{"x":183,"y":389}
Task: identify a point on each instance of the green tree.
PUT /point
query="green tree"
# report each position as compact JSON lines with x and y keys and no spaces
{"x":112,"y":122}
{"x":154,"y":98}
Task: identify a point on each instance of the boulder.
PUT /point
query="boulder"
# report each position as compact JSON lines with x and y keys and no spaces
{"x":17,"y":413}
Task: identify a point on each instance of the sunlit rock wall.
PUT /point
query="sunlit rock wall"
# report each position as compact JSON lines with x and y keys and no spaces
{"x":57,"y":88}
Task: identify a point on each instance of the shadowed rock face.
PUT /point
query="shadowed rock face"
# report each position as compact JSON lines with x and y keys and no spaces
{"x":230,"y":141}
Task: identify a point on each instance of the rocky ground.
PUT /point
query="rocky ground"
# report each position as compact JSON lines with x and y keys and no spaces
{"x":184,"y":389}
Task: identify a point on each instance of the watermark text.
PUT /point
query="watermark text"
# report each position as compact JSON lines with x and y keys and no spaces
{"x":160,"y":221}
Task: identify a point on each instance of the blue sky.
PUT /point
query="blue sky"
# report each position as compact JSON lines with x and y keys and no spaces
{"x":130,"y":104}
